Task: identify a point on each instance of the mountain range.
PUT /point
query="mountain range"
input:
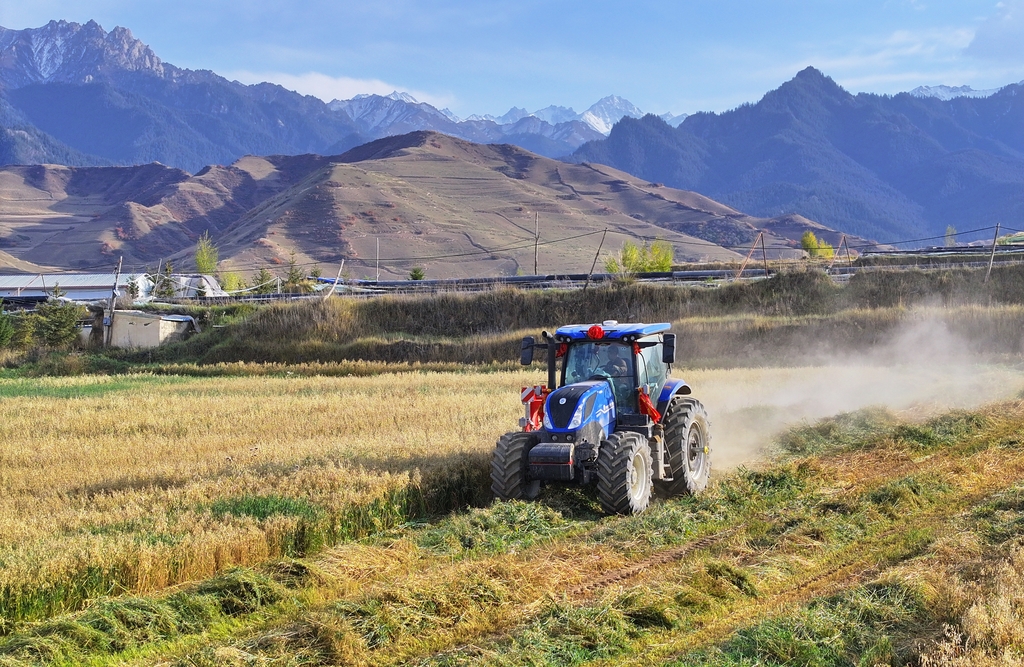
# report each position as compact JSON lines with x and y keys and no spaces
{"x":453,"y":207}
{"x":75,"y":94}
{"x":886,"y":167}
{"x":883,"y":167}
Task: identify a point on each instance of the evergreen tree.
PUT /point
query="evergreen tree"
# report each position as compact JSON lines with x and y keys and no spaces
{"x":295,"y":281}
{"x":25,"y":327}
{"x":264,"y":282}
{"x":6,"y":329}
{"x":58,"y":323}
{"x":165,"y":287}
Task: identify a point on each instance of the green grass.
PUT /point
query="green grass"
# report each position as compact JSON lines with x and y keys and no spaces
{"x":866,"y":626}
{"x":34,"y":388}
{"x":109,"y":626}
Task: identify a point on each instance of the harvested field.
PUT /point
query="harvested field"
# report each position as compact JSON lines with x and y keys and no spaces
{"x":871,"y":537}
{"x":156,"y":486}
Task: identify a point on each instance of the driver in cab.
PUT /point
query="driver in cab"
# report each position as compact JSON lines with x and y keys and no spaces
{"x":615,"y":365}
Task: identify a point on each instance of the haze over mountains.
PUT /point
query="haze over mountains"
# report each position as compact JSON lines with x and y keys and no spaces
{"x":885,"y":167}
{"x":76,"y":94}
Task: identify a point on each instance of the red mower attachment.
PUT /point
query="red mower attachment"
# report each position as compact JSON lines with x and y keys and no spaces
{"x":533,"y":399}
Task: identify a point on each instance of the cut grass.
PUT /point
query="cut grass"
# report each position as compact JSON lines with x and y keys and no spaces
{"x":788,"y":589}
{"x":862,"y":499}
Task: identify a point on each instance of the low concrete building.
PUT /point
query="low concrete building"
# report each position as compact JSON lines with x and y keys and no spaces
{"x":136,"y":329}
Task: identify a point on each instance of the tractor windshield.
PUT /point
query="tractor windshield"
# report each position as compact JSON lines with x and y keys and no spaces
{"x":612,"y":360}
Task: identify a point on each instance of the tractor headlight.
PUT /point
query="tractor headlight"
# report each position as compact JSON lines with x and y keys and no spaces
{"x":577,"y":417}
{"x":547,"y":421}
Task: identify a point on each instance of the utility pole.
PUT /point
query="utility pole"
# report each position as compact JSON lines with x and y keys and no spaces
{"x":378,"y":260}
{"x":753,"y":247}
{"x":596,"y":255}
{"x":536,"y":240}
{"x":109,"y":319}
{"x":335,"y":283}
{"x":764,"y":255}
{"x":992,"y":257}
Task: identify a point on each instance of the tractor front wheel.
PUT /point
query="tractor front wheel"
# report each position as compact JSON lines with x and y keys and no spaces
{"x":510,"y":464}
{"x":688,"y":439}
{"x":624,"y":473}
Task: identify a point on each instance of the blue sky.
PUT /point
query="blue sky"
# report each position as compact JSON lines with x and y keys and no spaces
{"x":483,"y":56}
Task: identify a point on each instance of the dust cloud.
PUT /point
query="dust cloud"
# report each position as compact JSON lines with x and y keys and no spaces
{"x":921,"y":370}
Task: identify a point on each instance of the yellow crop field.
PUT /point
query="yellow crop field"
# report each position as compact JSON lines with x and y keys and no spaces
{"x":130,"y":484}
{"x":135,"y":496}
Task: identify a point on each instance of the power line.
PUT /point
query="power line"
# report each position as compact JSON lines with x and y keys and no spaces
{"x":927,"y":238}
{"x":523,"y":245}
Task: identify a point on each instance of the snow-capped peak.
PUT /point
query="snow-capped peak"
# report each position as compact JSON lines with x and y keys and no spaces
{"x":673,"y":119}
{"x":402,"y":97}
{"x":62,"y":51}
{"x":608,"y":111}
{"x":949,"y":92}
{"x":555,"y":114}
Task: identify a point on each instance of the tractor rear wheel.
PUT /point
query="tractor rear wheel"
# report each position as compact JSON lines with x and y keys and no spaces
{"x":688,"y":439}
{"x":510,"y":464}
{"x":624,"y":473}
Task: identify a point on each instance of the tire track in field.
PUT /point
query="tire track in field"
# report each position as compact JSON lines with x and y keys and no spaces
{"x":606,"y":579}
{"x":644,"y":567}
{"x":853,"y":565}
{"x":853,"y":570}
{"x":654,"y":560}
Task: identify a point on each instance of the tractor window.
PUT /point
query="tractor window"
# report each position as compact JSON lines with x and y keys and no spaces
{"x":653,"y":371}
{"x":599,"y":360}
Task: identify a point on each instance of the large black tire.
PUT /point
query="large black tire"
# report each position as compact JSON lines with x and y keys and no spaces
{"x":624,"y":473}
{"x":688,"y":439}
{"x":509,"y":466}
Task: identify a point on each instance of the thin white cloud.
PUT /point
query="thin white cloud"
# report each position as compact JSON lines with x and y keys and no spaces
{"x":899,"y":48}
{"x":329,"y":88}
{"x":1001,"y":36}
{"x":890,"y":62}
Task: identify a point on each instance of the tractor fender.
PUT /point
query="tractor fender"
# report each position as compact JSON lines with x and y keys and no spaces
{"x":673,"y":387}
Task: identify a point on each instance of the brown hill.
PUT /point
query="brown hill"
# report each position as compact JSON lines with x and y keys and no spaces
{"x":453,"y":207}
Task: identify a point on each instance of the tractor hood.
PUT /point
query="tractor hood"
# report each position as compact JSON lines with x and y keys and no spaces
{"x":574,"y":405}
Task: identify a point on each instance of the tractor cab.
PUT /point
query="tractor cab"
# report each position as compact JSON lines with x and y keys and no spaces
{"x":632,"y":359}
{"x":625,"y":366}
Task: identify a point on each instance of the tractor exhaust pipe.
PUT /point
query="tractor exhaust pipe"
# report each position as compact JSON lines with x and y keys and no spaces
{"x":552,"y":350}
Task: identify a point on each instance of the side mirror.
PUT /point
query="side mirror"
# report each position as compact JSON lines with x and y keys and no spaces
{"x":526,"y":352}
{"x":668,"y":349}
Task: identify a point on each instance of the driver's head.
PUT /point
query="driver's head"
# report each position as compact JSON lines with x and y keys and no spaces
{"x":613,"y":352}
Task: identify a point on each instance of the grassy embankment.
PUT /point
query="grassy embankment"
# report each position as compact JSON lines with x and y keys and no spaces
{"x":869,"y":540}
{"x":798,"y":317}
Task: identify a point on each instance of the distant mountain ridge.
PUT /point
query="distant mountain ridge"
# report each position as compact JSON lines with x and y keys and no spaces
{"x":452,"y":206}
{"x":947,"y":93}
{"x":76,"y":94}
{"x":600,"y":116}
{"x":884,"y":167}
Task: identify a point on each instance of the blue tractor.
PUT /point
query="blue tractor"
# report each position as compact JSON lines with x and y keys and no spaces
{"x":610,"y":415}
